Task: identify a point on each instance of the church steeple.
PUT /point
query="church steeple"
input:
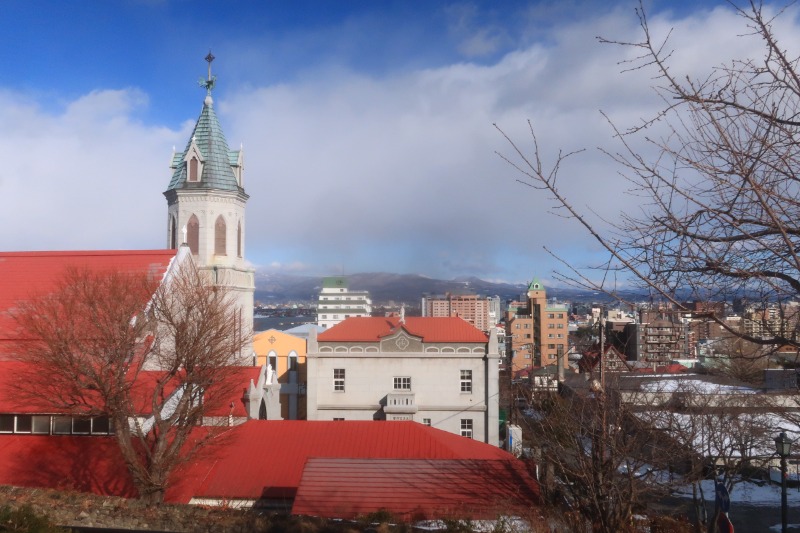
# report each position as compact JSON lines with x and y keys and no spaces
{"x":207,"y":162}
{"x":206,"y":205}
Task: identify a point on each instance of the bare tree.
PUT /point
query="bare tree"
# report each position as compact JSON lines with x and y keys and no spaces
{"x":601,"y":456}
{"x":719,"y":432}
{"x":720,"y":199}
{"x":740,"y":359}
{"x":91,"y":341}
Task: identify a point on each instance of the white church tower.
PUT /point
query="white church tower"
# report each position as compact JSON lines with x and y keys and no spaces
{"x":206,"y":205}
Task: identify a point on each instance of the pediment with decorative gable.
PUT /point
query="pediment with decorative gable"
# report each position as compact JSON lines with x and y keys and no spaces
{"x":401,"y":341}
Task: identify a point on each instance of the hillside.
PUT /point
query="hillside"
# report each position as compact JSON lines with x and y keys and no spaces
{"x":399,"y":288}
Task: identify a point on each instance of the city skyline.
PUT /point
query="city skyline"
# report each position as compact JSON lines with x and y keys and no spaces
{"x":367,"y":127}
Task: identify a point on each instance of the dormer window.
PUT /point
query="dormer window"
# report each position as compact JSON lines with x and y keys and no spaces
{"x":194,"y":174}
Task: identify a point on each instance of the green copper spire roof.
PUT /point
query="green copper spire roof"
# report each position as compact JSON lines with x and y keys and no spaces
{"x":535,"y":285}
{"x":217,"y":161}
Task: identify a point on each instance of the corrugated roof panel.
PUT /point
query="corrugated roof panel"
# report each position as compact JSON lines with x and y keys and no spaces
{"x":415,"y":488}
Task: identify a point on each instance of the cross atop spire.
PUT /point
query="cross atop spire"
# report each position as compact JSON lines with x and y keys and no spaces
{"x":208,"y":83}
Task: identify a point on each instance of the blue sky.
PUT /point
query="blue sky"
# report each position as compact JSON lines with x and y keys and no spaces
{"x":366,"y":125}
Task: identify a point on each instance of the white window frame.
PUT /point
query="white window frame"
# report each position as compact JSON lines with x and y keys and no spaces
{"x":402,"y":383}
{"x":466,"y":381}
{"x":338,"y":380}
{"x":466,"y":427}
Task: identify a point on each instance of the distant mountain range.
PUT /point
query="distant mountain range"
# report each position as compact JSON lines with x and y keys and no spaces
{"x":400,"y":288}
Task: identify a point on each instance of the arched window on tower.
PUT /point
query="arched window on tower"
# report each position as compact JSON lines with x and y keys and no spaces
{"x":239,"y":240}
{"x":173,"y":232}
{"x":219,"y":236}
{"x":193,"y":169}
{"x":193,"y":234}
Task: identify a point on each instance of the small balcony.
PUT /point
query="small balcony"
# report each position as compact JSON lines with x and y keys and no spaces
{"x":400,"y":403}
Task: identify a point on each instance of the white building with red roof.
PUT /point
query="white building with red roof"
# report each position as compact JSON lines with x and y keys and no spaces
{"x":438,"y":371}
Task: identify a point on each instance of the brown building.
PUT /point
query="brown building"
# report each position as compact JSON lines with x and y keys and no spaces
{"x":470,"y":307}
{"x":538,"y":330}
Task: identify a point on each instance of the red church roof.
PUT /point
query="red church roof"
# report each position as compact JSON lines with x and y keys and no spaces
{"x":424,"y":468}
{"x":265,"y":458}
{"x":27,"y":274}
{"x":430,"y":329}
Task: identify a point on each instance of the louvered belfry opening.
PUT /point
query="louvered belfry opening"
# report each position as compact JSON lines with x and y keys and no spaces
{"x":193,"y":234}
{"x":219,"y":236}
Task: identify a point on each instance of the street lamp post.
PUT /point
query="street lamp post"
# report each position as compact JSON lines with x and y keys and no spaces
{"x":783,"y":446}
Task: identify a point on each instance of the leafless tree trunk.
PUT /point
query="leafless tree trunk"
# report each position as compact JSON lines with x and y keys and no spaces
{"x":91,"y":340}
{"x":720,"y":199}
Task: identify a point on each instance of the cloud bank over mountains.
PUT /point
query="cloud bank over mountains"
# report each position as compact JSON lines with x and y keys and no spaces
{"x":355,"y":169}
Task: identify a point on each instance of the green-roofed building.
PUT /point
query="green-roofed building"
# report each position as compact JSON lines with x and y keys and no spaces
{"x":206,"y":206}
{"x":336,"y":302}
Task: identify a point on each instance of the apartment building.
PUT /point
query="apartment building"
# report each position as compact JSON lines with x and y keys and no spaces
{"x":478,"y":311}
{"x":537,"y":329}
{"x":337,"y":302}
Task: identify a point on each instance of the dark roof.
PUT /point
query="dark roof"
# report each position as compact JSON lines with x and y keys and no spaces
{"x":414,"y":489}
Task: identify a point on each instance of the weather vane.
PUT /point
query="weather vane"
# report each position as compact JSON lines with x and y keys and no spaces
{"x":208,"y":83}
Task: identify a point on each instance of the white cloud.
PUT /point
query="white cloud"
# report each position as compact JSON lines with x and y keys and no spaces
{"x":357,"y":172}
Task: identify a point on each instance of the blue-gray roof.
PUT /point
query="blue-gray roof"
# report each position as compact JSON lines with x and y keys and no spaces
{"x":218,"y":160}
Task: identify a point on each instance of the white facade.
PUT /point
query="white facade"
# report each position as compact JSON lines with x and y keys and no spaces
{"x":452,"y":386}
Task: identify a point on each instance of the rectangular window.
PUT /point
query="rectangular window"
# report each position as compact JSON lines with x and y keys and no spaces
{"x":101,"y":425}
{"x":426,"y":421}
{"x":338,"y":379}
{"x":527,"y":326}
{"x":560,"y":315}
{"x":6,"y":423}
{"x":551,"y":346}
{"x":403,"y":383}
{"x":516,"y":326}
{"x":527,"y":356}
{"x":550,"y":315}
{"x":466,"y":381}
{"x":41,"y":424}
{"x":560,"y":326}
{"x":336,"y":419}
{"x":551,"y":326}
{"x":82,"y":425}
{"x":62,"y":425}
{"x":24,"y":423}
{"x":466,"y":427}
{"x":550,"y":335}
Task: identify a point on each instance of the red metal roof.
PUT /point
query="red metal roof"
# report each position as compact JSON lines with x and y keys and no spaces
{"x":430,"y":329}
{"x":415,"y":489}
{"x":27,"y":274}
{"x":266,"y":457}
